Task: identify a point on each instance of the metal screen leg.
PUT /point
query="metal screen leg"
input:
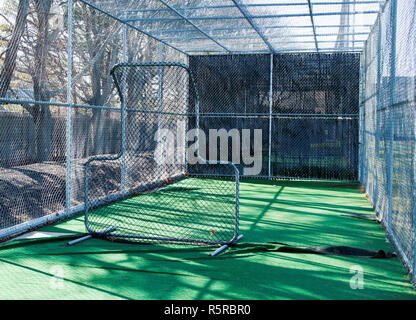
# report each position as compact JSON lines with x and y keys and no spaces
{"x":225,"y":247}
{"x":90,"y":236}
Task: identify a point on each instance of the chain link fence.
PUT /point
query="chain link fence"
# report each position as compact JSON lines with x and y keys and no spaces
{"x":282,"y":116}
{"x":166,"y":202}
{"x":387,"y":124}
{"x":59,"y":108}
{"x":49,"y":129}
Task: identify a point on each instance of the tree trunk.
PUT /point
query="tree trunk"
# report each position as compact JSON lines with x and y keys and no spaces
{"x":12,"y":48}
{"x":44,"y":130}
{"x":101,"y":80}
{"x":41,"y":113}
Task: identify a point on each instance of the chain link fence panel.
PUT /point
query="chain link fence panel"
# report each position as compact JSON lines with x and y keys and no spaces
{"x":165,"y":202}
{"x":305,"y":105}
{"x":387,"y":118}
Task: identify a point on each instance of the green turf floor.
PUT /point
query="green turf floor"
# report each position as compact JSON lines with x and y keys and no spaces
{"x":192,"y":208}
{"x":295,"y":213}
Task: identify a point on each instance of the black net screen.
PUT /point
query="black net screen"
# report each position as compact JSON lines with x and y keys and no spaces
{"x":305,"y":105}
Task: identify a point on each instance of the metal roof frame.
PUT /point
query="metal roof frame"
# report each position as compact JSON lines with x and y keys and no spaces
{"x":272,"y":16}
{"x":286,"y":4}
{"x":313,"y":25}
{"x":179,"y":12}
{"x":255,"y":27}
{"x":194,"y":25}
{"x":132,"y":26}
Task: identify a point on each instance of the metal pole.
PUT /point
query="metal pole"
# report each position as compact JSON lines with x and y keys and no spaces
{"x":393,"y":23}
{"x":225,"y":247}
{"x":186,"y":122}
{"x":414,"y":197}
{"x":315,"y":37}
{"x":69,"y":110}
{"x":123,"y":116}
{"x":379,"y":101}
{"x":270,"y":115}
{"x":353,"y":25}
{"x":246,"y":15}
{"x":188,"y":20}
{"x":142,"y":31}
{"x":160,"y":109}
{"x":251,"y":22}
{"x":363,"y":145}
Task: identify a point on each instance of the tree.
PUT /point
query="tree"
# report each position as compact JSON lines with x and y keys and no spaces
{"x":97,"y":49}
{"x":9,"y":63}
{"x":41,"y":113}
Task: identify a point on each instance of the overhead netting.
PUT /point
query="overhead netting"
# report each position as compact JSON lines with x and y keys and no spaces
{"x":250,"y":26}
{"x":387,"y":124}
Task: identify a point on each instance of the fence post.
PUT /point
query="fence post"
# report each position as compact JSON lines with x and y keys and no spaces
{"x":69,"y":110}
{"x":270,"y":116}
{"x":414,"y":196}
{"x":376,"y":120}
{"x":393,"y":24}
{"x":362,"y":139}
{"x":123,"y":115}
{"x":160,"y":106}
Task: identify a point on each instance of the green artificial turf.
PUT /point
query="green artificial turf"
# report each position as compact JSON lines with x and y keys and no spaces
{"x":193,"y":208}
{"x":272,"y":214}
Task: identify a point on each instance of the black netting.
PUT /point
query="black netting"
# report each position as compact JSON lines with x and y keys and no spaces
{"x":166,"y":202}
{"x":312,"y":112}
{"x":316,"y":84}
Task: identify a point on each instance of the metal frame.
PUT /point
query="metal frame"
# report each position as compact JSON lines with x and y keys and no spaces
{"x":253,"y":25}
{"x":69,"y":109}
{"x":279,"y":37}
{"x":131,"y":25}
{"x":256,"y":5}
{"x":390,"y":170}
{"x":160,"y":106}
{"x":122,"y":18}
{"x":245,"y":15}
{"x":123,"y":120}
{"x":194,"y":25}
{"x":313,"y":25}
{"x":270,"y":117}
{"x":162,"y":31}
{"x":201,"y":51}
{"x":386,"y":108}
{"x":379,"y":79}
{"x":271,"y":16}
{"x":111,"y":231}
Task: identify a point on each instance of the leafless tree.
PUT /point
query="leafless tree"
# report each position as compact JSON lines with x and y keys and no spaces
{"x":9,"y":63}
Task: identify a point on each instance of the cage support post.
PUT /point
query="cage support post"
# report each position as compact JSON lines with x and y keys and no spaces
{"x":159,"y":114}
{"x":270,"y":117}
{"x":379,"y":103}
{"x":225,"y":247}
{"x":390,"y":159}
{"x":123,"y":116}
{"x":90,"y":236}
{"x":69,"y":110}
